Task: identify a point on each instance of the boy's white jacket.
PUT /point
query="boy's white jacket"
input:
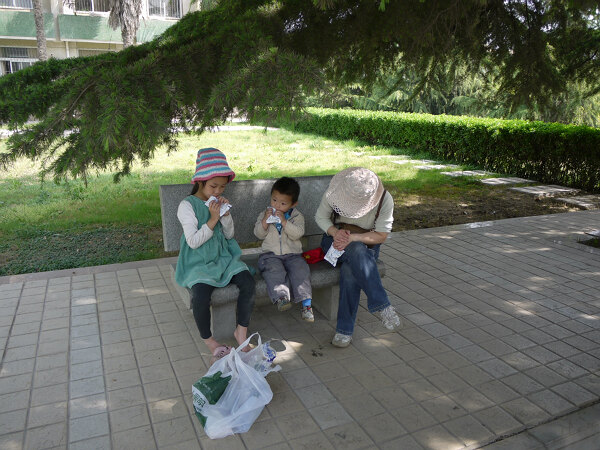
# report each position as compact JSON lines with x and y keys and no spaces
{"x":289,"y":241}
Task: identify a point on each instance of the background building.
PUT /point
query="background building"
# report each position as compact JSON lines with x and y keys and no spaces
{"x":75,"y":28}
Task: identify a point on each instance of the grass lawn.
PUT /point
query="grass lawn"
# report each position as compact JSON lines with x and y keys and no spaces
{"x":48,"y":226}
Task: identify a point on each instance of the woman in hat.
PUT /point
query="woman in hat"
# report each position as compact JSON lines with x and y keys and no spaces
{"x":356,"y":214}
{"x":209,"y":257}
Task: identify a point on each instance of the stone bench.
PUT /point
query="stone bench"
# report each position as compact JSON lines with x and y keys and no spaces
{"x":248,"y":198}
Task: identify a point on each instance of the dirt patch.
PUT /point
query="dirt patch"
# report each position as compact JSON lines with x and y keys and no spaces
{"x":412,"y":212}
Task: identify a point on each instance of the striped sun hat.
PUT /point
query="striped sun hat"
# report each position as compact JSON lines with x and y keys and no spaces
{"x":211,"y":163}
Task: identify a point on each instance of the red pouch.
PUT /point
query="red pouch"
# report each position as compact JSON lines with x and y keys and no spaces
{"x":314,"y":256}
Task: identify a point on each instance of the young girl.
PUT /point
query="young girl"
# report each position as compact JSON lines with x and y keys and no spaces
{"x":209,"y":256}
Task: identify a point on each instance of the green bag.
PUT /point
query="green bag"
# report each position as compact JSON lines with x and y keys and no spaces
{"x":208,"y":389}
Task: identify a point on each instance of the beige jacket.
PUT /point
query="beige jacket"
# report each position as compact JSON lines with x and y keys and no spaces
{"x":286,"y":242}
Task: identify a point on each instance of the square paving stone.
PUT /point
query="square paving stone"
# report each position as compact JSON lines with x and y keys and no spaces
{"x":87,"y":406}
{"x":551,"y":402}
{"x":382,"y":427}
{"x":139,"y":438}
{"x":330,"y":415}
{"x":498,"y":421}
{"x":525,"y":411}
{"x":49,"y":436}
{"x":168,"y":409}
{"x":262,"y":434}
{"x":296,"y":425}
{"x":574,"y":393}
{"x":12,"y":421}
{"x":349,"y":437}
{"x":438,"y":438}
{"x":47,"y":414}
{"x":127,"y":418}
{"x":469,"y":430}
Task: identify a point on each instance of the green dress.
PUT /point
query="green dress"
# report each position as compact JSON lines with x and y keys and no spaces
{"x":215,"y":262}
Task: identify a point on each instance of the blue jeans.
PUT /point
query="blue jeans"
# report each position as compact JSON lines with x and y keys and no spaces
{"x":358,"y":270}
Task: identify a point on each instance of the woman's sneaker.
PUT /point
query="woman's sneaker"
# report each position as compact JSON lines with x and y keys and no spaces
{"x":307,"y":314}
{"x":283,"y":304}
{"x":389,"y":318}
{"x":341,"y":340}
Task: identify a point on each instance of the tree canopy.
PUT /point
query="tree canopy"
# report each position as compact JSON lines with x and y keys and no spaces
{"x":264,"y":56}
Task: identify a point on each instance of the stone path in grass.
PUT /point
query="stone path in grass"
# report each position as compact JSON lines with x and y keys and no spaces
{"x":583,"y":201}
{"x":539,"y":191}
{"x":543,"y":191}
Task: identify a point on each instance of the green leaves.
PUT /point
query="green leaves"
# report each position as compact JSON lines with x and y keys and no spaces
{"x":546,"y":152}
{"x":263,"y":57}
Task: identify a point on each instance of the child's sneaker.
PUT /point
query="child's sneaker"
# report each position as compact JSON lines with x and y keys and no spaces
{"x":307,"y":314}
{"x":341,"y":340}
{"x":389,"y":318}
{"x":283,"y":304}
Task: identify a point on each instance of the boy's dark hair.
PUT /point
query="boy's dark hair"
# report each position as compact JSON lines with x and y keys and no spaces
{"x":287,"y":186}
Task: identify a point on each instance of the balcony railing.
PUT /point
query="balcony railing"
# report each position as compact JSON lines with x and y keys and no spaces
{"x":91,"y":5}
{"x":20,"y":4}
{"x":16,"y":58}
{"x":170,"y":9}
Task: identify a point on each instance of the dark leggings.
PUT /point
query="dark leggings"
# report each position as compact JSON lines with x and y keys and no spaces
{"x":201,"y":294}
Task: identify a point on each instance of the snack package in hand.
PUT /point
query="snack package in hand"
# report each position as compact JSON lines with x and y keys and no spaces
{"x":273,"y":218}
{"x":224,"y":207}
{"x":332,"y":255}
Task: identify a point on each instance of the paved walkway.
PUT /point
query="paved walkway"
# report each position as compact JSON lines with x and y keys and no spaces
{"x":501,"y":337}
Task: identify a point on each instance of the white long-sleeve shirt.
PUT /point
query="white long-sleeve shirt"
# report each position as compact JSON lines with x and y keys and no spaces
{"x":195,"y":236}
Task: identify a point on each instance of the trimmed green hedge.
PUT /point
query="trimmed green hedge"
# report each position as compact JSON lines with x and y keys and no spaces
{"x":546,"y":152}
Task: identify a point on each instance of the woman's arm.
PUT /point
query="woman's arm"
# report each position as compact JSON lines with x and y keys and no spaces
{"x":370,"y":238}
{"x":323,"y":217}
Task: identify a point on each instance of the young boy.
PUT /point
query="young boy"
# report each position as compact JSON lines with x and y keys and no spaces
{"x":281,"y":263}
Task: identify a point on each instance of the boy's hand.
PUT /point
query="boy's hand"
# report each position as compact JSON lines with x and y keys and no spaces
{"x":268,"y":213}
{"x":281,"y":217}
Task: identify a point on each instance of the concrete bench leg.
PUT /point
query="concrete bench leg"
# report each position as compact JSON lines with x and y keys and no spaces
{"x":223,"y":321}
{"x":326,"y":301}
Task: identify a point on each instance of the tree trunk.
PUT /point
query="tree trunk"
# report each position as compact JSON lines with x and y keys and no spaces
{"x":125,"y":14}
{"x":39,"y":30}
{"x":128,"y":36}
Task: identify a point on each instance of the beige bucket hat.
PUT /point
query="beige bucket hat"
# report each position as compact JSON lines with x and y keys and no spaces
{"x":354,"y":192}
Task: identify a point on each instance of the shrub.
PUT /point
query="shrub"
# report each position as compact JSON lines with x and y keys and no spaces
{"x":546,"y":152}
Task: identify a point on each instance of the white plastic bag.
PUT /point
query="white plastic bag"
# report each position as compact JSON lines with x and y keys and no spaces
{"x":244,"y":397}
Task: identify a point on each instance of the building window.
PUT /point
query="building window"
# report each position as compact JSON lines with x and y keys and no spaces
{"x":16,"y":58}
{"x":170,"y":9}
{"x":91,"y":5}
{"x":21,"y":4}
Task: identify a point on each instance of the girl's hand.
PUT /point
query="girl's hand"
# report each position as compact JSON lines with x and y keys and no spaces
{"x":215,"y":209}
{"x":224,"y":201}
{"x":341,"y":239}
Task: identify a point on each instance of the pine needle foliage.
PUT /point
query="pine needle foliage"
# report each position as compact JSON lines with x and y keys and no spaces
{"x":264,"y":56}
